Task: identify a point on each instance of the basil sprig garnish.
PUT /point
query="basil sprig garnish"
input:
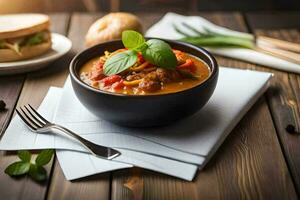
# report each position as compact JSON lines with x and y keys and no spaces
{"x":132,"y":39}
{"x":35,"y":170}
{"x":154,"y":51}
{"x":160,"y":54}
{"x":120,"y":62}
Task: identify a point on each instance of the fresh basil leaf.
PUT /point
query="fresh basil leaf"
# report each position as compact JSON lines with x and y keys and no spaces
{"x":160,"y":54}
{"x":132,"y":39}
{"x":17,"y":168}
{"x":24,"y":155}
{"x":120,"y":62}
{"x":142,"y":47}
{"x":37,"y":173}
{"x":44,"y":157}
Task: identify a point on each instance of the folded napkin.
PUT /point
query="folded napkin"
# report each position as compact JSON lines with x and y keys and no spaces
{"x":177,"y":150}
{"x":165,"y":29}
{"x":18,"y":136}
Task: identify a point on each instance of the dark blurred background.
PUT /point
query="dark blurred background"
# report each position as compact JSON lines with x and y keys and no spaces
{"x":14,"y":6}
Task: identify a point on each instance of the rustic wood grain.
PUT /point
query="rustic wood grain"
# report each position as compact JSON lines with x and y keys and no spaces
{"x":25,"y":188}
{"x":10,"y":88}
{"x":22,"y":6}
{"x":93,"y":187}
{"x":96,"y":187}
{"x":241,"y":169}
{"x":157,"y":5}
{"x":274,"y":20}
{"x":249,"y":165}
{"x":284,"y":99}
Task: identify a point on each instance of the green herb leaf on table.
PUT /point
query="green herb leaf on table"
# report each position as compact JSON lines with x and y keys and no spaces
{"x":160,"y":53}
{"x":18,"y":168}
{"x":120,"y":62}
{"x":44,"y":157}
{"x":37,"y":173}
{"x":24,"y":155}
{"x":132,"y":39}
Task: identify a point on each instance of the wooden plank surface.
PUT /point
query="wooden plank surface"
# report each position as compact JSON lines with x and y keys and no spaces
{"x":25,"y":188}
{"x":157,"y":5}
{"x":249,"y":165}
{"x":274,"y":20}
{"x":10,"y":88}
{"x":243,"y":168}
{"x":284,"y":97}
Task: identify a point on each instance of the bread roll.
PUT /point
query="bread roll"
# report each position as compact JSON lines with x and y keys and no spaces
{"x":110,"y":27}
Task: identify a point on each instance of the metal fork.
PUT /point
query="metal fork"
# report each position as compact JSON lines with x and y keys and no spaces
{"x":39,"y":124}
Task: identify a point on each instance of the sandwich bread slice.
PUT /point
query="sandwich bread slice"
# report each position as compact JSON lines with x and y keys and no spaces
{"x":24,"y":36}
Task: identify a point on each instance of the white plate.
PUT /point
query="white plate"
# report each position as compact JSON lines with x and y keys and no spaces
{"x":60,"y":46}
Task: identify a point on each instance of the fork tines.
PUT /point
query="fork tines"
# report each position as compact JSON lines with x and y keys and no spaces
{"x":31,"y":117}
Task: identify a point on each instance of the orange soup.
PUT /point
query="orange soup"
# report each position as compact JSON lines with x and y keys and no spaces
{"x":144,"y":78}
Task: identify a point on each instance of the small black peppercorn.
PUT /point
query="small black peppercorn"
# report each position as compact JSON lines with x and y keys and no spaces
{"x":290,"y":128}
{"x":2,"y":105}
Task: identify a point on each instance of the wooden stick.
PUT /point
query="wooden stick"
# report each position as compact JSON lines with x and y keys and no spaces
{"x":279,"y":44}
{"x":280,"y":53}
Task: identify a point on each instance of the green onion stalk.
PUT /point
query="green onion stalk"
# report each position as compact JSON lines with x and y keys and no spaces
{"x":208,"y":38}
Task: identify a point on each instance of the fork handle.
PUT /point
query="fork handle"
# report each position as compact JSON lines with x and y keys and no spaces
{"x":95,"y":149}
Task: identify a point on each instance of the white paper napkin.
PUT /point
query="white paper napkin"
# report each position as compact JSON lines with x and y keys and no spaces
{"x":165,"y":29}
{"x":193,"y":140}
{"x":18,"y":136}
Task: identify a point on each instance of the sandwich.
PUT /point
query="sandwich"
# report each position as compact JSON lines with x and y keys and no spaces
{"x":24,"y":36}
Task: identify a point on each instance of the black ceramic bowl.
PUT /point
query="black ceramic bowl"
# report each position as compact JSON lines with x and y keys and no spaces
{"x":148,"y":110}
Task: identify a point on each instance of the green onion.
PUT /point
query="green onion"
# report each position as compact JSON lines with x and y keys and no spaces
{"x":219,"y":41}
{"x":209,"y":38}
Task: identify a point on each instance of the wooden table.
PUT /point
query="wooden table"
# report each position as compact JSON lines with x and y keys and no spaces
{"x":259,"y":160}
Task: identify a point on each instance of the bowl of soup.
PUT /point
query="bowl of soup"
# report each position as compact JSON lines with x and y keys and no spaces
{"x":144,"y":95}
